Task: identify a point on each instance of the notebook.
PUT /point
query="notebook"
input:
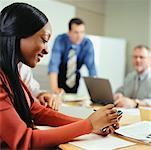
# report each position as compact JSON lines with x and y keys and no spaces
{"x":139,"y":131}
{"x":100,"y":90}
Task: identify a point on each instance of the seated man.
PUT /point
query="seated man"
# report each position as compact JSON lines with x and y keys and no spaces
{"x":136,"y":90}
{"x":44,"y":97}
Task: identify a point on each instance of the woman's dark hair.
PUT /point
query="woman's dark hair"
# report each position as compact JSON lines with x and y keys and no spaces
{"x":18,"y":20}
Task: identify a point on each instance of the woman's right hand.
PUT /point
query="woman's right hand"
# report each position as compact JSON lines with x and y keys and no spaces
{"x":103,"y":117}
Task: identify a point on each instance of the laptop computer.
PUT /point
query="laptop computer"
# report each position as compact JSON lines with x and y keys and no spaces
{"x":100,"y":90}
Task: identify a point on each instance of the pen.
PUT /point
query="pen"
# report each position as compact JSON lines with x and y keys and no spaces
{"x":148,"y":136}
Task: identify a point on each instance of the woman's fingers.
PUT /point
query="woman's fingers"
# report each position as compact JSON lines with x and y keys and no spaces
{"x":105,"y":116}
{"x":50,"y":101}
{"x":111,"y":130}
{"x":109,"y":106}
{"x":113,"y":116}
{"x":53,"y":104}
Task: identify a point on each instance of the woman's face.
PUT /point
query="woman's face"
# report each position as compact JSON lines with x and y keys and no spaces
{"x":33,"y":48}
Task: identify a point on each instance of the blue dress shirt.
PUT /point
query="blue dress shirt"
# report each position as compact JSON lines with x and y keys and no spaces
{"x":59,"y":56}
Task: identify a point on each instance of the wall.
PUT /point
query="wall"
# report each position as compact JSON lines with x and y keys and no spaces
{"x":128,"y":19}
{"x":94,"y":20}
{"x":0,"y":5}
{"x":150,"y":23}
{"x":92,"y":12}
{"x":109,"y":60}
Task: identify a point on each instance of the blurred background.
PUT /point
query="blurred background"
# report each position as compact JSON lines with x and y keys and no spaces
{"x":114,"y":26}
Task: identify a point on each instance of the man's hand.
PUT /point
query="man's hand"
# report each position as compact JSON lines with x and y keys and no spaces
{"x":118,"y":96}
{"x":49,"y":100}
{"x":125,"y":102}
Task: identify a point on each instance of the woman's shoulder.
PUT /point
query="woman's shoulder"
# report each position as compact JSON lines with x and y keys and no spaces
{"x":2,"y":75}
{"x":0,"y":82}
{"x":4,"y":99}
{"x":5,"y":102}
{"x":3,"y":78}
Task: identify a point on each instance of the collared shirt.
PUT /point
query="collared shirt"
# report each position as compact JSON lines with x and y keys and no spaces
{"x":84,"y":52}
{"x":137,"y":86}
{"x":27,"y":77}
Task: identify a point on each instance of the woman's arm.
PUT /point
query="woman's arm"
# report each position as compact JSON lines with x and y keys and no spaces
{"x":47,"y":116}
{"x":16,"y":134}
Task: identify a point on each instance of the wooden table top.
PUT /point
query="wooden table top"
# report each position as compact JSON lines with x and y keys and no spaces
{"x":125,"y":120}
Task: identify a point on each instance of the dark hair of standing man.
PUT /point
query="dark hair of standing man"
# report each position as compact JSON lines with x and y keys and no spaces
{"x":76,"y":21}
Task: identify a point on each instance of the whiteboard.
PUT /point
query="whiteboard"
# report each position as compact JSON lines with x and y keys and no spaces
{"x":109,"y":60}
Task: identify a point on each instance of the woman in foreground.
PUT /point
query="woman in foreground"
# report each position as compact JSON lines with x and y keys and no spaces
{"x":24,"y":34}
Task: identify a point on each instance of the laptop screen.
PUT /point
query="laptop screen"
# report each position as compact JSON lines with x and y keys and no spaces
{"x":99,"y":90}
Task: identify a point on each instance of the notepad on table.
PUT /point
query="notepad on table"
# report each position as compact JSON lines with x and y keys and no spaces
{"x":139,"y":131}
{"x":73,"y":97}
{"x":97,"y":142}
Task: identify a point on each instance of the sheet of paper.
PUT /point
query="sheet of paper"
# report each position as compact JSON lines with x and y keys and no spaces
{"x":139,"y":131}
{"x":73,"y":97}
{"x":130,"y":111}
{"x":97,"y":142}
{"x":75,"y":111}
{"x":43,"y":127}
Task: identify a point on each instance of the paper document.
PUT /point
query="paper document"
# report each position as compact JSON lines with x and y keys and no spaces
{"x":139,"y":131}
{"x":97,"y":142}
{"x":73,"y":97}
{"x":80,"y":112}
{"x":130,"y":111}
{"x":43,"y":127}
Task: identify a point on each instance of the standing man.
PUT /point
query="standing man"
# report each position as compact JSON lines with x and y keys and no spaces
{"x":70,"y":51}
{"x":136,"y":90}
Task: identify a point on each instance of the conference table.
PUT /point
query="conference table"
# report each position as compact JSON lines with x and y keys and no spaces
{"x":125,"y":120}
